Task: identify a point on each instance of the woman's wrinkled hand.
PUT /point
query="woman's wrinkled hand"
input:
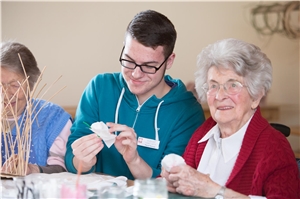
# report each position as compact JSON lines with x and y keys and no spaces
{"x":16,"y":165}
{"x":165,"y":174}
{"x":188,"y":181}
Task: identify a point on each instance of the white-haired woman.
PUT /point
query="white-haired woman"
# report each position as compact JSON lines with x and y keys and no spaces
{"x":235,"y":153}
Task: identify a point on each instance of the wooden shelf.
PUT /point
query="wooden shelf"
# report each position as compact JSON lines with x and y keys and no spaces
{"x":294,"y":139}
{"x":295,"y":130}
{"x":71,"y":110}
{"x":297,"y":154}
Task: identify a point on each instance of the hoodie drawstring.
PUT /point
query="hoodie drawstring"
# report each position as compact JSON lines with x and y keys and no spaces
{"x":155,"y":121}
{"x":118,"y":107}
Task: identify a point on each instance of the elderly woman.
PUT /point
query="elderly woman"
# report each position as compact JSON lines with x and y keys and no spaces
{"x":235,"y":153}
{"x":50,"y":125}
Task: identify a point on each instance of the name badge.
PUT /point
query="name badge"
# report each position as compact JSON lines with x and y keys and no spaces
{"x":154,"y":144}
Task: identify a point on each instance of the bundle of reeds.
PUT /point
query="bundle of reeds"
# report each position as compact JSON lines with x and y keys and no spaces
{"x":17,"y":147}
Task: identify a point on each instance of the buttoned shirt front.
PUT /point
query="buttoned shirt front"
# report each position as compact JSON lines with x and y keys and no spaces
{"x":220,"y":154}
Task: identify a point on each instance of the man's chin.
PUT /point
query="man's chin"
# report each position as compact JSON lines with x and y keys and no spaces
{"x":135,"y":92}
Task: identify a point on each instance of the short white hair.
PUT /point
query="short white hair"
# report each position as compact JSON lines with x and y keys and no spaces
{"x":245,"y":59}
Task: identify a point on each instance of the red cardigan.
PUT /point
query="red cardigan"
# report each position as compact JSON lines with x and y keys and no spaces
{"x":265,"y":165}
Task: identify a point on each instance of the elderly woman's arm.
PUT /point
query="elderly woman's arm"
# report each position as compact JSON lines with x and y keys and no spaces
{"x":188,"y":181}
{"x":55,"y":161}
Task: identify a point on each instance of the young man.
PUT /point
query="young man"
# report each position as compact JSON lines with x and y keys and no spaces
{"x":151,"y":113}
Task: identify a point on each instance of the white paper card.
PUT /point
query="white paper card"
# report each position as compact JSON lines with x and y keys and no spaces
{"x":154,"y":144}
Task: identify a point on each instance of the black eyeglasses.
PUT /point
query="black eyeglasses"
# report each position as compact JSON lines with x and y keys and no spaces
{"x":144,"y":67}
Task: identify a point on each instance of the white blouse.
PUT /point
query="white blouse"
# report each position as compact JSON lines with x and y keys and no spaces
{"x":220,"y":154}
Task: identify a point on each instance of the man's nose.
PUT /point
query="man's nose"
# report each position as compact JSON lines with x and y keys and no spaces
{"x":137,"y":72}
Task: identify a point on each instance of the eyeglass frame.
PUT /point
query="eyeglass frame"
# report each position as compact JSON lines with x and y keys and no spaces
{"x":140,"y":65}
{"x":206,"y":88}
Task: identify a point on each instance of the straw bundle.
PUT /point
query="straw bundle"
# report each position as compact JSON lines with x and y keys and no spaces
{"x":17,"y":149}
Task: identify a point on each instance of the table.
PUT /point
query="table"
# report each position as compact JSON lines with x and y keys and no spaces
{"x":173,"y":195}
{"x":178,"y":196}
{"x":131,"y":183}
{"x":170,"y":195}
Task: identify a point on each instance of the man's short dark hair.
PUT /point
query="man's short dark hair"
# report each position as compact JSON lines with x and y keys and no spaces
{"x":153,"y":29}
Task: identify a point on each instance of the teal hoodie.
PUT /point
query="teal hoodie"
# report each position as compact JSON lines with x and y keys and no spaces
{"x":171,"y":120}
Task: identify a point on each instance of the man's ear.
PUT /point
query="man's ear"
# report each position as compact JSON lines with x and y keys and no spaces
{"x":170,"y":61}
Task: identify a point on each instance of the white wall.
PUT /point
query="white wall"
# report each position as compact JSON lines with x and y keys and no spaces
{"x":80,"y":39}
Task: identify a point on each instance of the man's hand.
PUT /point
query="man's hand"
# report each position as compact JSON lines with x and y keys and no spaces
{"x":126,"y":142}
{"x":85,"y":150}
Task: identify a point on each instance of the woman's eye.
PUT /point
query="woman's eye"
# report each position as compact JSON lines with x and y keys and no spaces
{"x":213,"y":86}
{"x":233,"y":85}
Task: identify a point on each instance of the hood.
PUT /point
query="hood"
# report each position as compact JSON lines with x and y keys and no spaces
{"x":177,"y":93}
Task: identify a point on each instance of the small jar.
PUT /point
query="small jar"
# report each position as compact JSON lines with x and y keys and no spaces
{"x":111,"y":192}
{"x":150,"y":188}
{"x":26,"y":188}
{"x":72,"y":190}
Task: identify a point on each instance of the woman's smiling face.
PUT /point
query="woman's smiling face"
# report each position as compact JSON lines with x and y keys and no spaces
{"x":13,"y":92}
{"x":234,"y":110}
